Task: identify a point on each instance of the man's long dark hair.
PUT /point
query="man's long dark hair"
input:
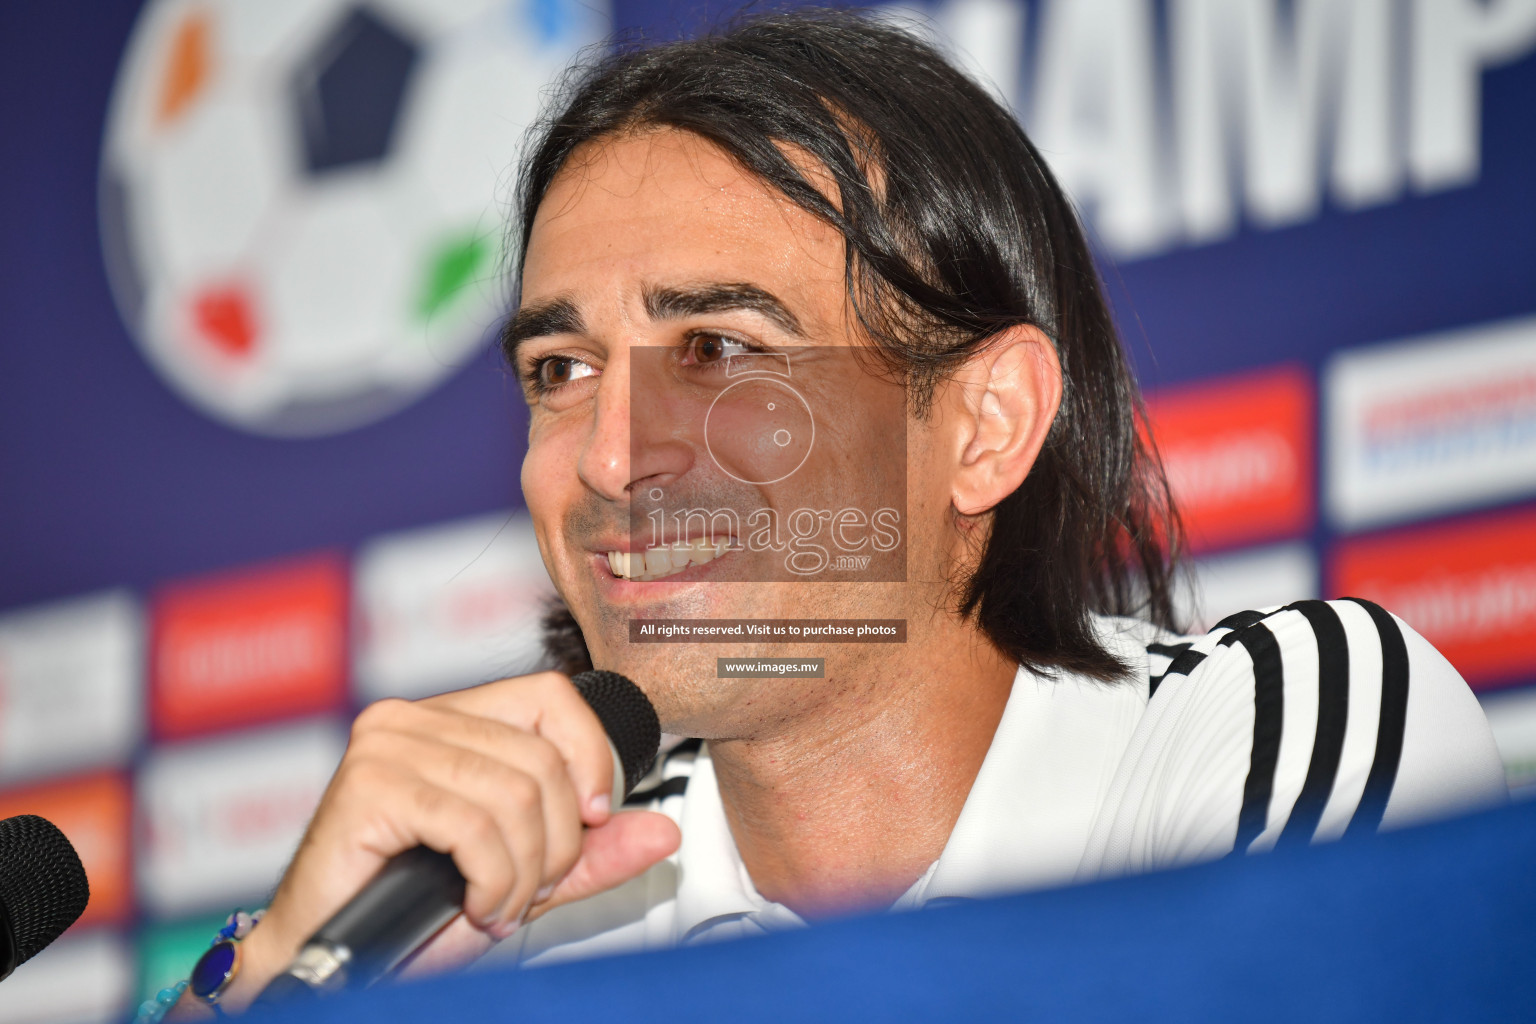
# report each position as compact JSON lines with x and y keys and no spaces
{"x":955,"y":230}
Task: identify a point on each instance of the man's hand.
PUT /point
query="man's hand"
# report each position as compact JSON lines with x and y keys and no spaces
{"x":512,"y":779}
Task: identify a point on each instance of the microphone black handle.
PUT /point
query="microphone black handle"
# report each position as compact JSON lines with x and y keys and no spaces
{"x":415,"y":895}
{"x":420,"y":890}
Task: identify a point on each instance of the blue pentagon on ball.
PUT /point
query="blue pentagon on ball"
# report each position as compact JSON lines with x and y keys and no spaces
{"x":350,"y":91}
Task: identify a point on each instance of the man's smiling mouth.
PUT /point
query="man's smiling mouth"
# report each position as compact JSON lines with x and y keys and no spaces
{"x":665,"y":560}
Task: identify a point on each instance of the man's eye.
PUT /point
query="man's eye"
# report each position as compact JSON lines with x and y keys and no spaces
{"x":705,"y":349}
{"x":554,"y":371}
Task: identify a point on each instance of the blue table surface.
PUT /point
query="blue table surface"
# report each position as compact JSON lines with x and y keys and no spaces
{"x":1433,"y":923}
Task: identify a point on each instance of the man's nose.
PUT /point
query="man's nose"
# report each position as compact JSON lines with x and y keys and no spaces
{"x":632,"y":442}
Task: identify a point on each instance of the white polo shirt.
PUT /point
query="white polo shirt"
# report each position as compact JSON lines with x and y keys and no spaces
{"x":1290,"y":725}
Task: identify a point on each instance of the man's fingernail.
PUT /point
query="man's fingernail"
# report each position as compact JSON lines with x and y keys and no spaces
{"x":543,"y":894}
{"x":600,"y":804}
{"x":506,"y":931}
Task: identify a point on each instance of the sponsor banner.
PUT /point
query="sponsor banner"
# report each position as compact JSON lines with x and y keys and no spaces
{"x":1432,"y":425}
{"x":249,"y":646}
{"x":95,"y":812}
{"x":449,"y":606}
{"x":1238,"y":453}
{"x":86,"y":977}
{"x":1512,"y":717}
{"x":221,"y":817}
{"x":1469,"y":587}
{"x":71,"y":680}
{"x":1262,"y":578}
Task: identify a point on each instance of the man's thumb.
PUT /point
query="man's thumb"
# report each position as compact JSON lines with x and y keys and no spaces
{"x":613,"y":853}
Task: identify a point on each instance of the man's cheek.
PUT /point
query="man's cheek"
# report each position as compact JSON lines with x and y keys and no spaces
{"x":542,"y":483}
{"x":541,"y":496}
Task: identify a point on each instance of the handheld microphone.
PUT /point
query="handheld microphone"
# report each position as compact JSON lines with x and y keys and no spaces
{"x":43,"y":889}
{"x":419,"y":891}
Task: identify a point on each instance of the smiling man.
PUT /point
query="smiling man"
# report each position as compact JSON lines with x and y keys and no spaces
{"x":812,"y":339}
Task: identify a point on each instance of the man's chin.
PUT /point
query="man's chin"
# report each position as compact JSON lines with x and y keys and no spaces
{"x":655,"y":668}
{"x":681,"y":681}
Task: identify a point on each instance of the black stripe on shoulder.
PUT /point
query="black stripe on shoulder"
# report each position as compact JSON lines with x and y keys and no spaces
{"x":1332,"y":720}
{"x":1394,"y":717}
{"x":1186,"y":660}
{"x":675,"y":786}
{"x":1268,"y":719}
{"x":1238,"y":621}
{"x":1183,"y":665}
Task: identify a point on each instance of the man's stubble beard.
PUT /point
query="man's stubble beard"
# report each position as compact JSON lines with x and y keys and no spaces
{"x":682,"y":679}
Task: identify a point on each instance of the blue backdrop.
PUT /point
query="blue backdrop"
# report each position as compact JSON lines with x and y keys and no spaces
{"x":111,"y":480}
{"x":107,"y":477}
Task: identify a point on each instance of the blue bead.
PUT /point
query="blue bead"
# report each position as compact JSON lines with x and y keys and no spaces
{"x":167,"y":996}
{"x":212,"y":970}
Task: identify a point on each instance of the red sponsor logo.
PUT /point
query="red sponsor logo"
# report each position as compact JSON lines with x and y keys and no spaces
{"x":1238,"y":453}
{"x":94,"y":812}
{"x":249,"y":646}
{"x":1468,"y":587}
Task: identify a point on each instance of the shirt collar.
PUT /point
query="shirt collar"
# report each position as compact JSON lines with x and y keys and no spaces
{"x":1025,"y":822}
{"x":713,"y":884}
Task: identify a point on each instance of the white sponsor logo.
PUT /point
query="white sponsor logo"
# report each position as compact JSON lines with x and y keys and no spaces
{"x":222,"y":817}
{"x":1246,"y":580}
{"x":1429,"y":425}
{"x":80,"y":978}
{"x":71,"y":681}
{"x":1171,"y":130}
{"x":1513,"y":719}
{"x":449,"y":606}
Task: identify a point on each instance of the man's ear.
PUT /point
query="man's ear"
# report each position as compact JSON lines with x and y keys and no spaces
{"x":1005,"y":398}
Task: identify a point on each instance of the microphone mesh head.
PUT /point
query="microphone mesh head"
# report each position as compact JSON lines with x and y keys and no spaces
{"x":628,"y":717}
{"x":42,"y":883}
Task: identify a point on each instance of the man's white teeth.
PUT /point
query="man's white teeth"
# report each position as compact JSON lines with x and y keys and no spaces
{"x":654,"y":563}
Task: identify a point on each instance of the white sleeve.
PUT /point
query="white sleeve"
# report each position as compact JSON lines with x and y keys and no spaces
{"x":1294,"y":726}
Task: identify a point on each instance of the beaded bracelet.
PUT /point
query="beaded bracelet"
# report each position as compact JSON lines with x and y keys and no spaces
{"x":218,"y":974}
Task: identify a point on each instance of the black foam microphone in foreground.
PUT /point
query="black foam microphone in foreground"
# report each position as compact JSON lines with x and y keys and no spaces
{"x":43,"y":889}
{"x":419,"y":891}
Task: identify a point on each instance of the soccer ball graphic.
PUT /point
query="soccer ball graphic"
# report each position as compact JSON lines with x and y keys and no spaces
{"x":303,"y":202}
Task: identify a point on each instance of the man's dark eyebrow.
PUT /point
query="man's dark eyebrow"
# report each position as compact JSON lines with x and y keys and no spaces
{"x":557,"y":316}
{"x":676,"y":303}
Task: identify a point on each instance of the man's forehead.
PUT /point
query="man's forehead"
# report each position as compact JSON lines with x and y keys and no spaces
{"x":618,"y":171}
{"x":678,"y":186}
{"x":667,"y":221}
